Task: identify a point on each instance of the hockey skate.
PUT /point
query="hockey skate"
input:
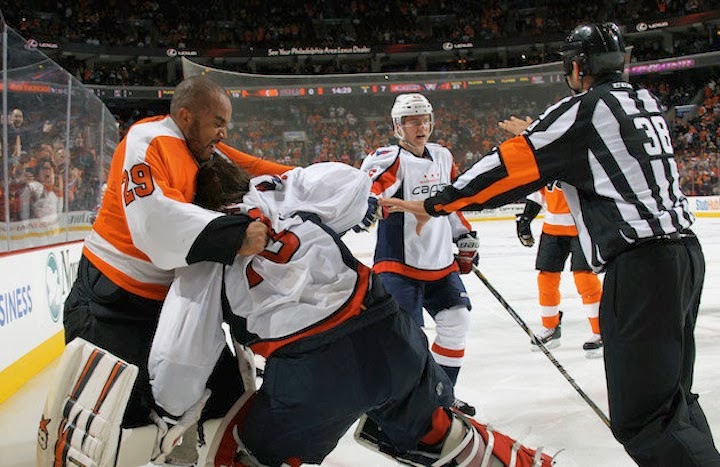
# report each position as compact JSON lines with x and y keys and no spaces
{"x":549,"y":337}
{"x":463,"y":407}
{"x":593,"y":347}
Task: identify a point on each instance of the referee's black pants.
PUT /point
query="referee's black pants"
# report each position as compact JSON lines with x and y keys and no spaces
{"x":647,"y":318}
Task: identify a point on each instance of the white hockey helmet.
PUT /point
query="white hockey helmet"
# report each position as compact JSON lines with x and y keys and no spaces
{"x":410,"y":104}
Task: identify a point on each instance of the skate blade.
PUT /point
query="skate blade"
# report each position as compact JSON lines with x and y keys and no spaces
{"x":595,"y":353}
{"x":553,"y":344}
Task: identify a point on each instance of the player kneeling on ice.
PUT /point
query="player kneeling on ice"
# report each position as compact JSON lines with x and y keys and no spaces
{"x":336,"y":345}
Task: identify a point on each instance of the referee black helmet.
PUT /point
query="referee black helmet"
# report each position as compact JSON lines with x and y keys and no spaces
{"x":598,"y":48}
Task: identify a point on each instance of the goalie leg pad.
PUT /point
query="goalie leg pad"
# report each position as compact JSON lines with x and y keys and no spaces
{"x":81,"y":419}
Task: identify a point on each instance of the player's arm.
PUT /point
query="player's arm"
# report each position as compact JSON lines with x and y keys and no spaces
{"x":170,"y":231}
{"x":251,"y":164}
{"x":189,"y":338}
{"x":500,"y":177}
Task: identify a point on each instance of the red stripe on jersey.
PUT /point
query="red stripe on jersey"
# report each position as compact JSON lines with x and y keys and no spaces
{"x":413,"y":273}
{"x":351,"y":308}
{"x":445,"y":352}
{"x":387,"y":178}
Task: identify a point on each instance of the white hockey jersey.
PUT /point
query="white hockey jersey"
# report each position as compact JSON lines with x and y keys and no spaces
{"x":398,"y":173}
{"x":305,"y":282}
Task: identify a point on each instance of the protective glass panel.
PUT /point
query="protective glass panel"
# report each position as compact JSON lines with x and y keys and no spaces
{"x":305,"y":119}
{"x":57,"y":141}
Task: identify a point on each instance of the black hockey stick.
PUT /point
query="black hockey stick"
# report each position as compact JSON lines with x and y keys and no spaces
{"x":542,"y":347}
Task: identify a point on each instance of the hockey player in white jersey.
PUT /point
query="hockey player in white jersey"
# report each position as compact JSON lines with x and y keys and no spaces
{"x":336,"y":344}
{"x":420,"y":270}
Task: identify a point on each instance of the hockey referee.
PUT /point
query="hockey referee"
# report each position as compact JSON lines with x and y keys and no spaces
{"x":610,"y":145}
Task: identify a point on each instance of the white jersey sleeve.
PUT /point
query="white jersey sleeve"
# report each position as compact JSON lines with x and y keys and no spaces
{"x":157,"y":206}
{"x":385,"y":170}
{"x":537,"y":197}
{"x":189,"y":337}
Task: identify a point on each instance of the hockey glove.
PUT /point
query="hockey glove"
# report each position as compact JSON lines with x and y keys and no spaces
{"x":171,"y":429}
{"x":371,"y":216}
{"x":522,"y":222}
{"x":467,"y":254}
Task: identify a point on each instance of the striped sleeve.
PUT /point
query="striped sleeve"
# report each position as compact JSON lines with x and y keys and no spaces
{"x":502,"y":176}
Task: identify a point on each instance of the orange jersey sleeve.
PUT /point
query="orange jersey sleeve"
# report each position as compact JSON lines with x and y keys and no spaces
{"x":251,"y":164}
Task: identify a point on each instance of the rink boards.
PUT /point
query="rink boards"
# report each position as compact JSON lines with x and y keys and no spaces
{"x":35,"y":282}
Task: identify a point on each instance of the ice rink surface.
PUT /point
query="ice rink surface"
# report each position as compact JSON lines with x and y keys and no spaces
{"x":517,"y":391}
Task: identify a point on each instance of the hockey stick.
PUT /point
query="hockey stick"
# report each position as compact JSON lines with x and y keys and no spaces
{"x":542,"y":347}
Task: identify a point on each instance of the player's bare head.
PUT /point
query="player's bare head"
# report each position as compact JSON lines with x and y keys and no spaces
{"x":196,"y":93}
{"x":202,"y":111}
{"x":220,"y":183}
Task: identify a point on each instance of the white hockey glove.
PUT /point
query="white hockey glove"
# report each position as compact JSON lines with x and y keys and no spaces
{"x":170,"y":430}
{"x":373,"y":213}
{"x":522,"y":223}
{"x":467,"y":254}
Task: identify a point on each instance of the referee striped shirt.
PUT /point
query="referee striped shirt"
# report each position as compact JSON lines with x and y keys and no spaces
{"x":610,"y":148}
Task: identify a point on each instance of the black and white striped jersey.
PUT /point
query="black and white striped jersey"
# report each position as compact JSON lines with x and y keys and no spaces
{"x":610,"y":147}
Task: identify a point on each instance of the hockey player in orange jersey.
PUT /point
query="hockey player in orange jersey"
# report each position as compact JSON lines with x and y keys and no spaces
{"x":147,"y":226}
{"x":558,"y":241}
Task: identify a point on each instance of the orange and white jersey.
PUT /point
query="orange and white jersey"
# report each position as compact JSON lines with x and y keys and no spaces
{"x":147,"y":223}
{"x":558,"y":220}
{"x":399,"y":173}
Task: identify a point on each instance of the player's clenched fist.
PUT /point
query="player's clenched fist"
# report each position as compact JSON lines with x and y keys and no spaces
{"x":256,"y":237}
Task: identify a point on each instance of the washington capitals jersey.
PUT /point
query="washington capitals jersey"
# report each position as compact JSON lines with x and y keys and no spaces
{"x":304,"y":283}
{"x":610,"y":147}
{"x":396,"y":172}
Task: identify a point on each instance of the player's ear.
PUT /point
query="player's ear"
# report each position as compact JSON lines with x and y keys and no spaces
{"x":185,"y":115}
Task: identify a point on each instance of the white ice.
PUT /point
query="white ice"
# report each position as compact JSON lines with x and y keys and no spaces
{"x":519,"y":392}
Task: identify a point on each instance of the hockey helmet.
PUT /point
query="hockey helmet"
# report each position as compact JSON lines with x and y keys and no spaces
{"x":598,"y":48}
{"x":410,"y":104}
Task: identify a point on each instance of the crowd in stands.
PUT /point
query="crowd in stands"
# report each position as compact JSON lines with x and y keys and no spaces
{"x":349,"y":129}
{"x":37,"y":166}
{"x":344,"y":129}
{"x":289,"y":23}
{"x":258,"y":25}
